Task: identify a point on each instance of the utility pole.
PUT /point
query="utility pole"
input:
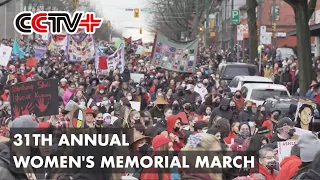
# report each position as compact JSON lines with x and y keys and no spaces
{"x":207,"y":23}
{"x":223,"y":24}
{"x":260,"y":24}
{"x":197,"y":18}
{"x":274,"y":24}
{"x":231,"y":30}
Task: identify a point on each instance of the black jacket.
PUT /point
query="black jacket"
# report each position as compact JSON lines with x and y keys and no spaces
{"x":227,"y":114}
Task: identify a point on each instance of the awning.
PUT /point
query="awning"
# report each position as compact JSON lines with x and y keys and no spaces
{"x":314,"y":31}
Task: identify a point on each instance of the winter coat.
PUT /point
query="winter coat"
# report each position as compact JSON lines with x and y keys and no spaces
{"x":245,"y":116}
{"x":264,"y":174}
{"x":170,"y":125}
{"x":227,"y":114}
{"x":288,"y":167}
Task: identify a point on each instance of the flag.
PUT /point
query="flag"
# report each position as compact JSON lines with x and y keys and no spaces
{"x":102,"y":63}
{"x":16,"y":49}
{"x":28,"y":49}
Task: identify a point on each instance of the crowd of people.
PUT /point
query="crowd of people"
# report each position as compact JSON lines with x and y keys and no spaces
{"x":176,"y":110}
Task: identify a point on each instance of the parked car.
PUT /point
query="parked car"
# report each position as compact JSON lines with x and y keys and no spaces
{"x":259,"y":92}
{"x":283,"y":103}
{"x":228,"y":71}
{"x":238,"y":81}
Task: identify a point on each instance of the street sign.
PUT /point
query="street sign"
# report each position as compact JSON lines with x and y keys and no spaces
{"x":235,"y":16}
{"x":146,"y":9}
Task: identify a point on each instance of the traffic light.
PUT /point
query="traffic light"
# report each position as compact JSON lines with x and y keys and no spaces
{"x":200,"y":29}
{"x":108,"y":24}
{"x":211,"y":23}
{"x":274,"y":27}
{"x":140,"y":30}
{"x":136,"y":12}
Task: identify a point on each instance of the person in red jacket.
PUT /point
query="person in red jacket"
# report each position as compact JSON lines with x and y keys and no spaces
{"x":271,"y":122}
{"x":6,"y":95}
{"x":267,"y":165}
{"x":174,"y":130}
{"x":238,"y":99}
{"x":290,"y":165}
{"x":233,"y":133}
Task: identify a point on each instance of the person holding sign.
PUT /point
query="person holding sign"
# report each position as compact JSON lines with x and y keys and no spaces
{"x":305,"y":116}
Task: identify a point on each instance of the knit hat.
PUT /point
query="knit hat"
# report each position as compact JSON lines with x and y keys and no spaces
{"x":309,"y":145}
{"x":160,"y":140}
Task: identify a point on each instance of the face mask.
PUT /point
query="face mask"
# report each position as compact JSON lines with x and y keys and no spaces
{"x":220,"y":91}
{"x":144,"y":148}
{"x":272,"y":164}
{"x":176,"y":129}
{"x":160,"y":106}
{"x":249,"y":108}
{"x":105,"y":103}
{"x":188,"y":108}
{"x":245,"y":133}
{"x":175,"y":106}
{"x":101,"y":91}
{"x":238,"y":96}
{"x":251,"y":124}
{"x":224,"y":108}
{"x":129,"y":98}
{"x":291,"y":132}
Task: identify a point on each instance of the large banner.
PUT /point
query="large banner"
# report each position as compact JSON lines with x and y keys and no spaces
{"x":57,"y":42}
{"x":80,"y":47}
{"x":35,"y":97}
{"x":116,"y":60}
{"x":175,"y":56}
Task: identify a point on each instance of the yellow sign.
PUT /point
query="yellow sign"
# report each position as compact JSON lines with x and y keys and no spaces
{"x":212,"y":34}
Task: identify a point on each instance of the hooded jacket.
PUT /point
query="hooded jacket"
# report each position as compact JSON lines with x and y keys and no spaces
{"x":170,"y":125}
{"x":264,"y":174}
{"x":218,"y":111}
{"x":289,"y":166}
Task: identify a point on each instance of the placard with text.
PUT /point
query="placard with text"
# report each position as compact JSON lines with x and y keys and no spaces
{"x":35,"y":97}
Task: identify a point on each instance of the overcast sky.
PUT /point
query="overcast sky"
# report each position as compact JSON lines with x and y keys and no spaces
{"x":114,"y":10}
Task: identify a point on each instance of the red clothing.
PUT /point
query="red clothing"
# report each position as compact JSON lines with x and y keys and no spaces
{"x":268,"y":124}
{"x":265,"y":173}
{"x":289,"y":166}
{"x":231,"y":135}
{"x":170,"y":125}
{"x":239,"y":103}
{"x":150,"y":174}
{"x":5,"y":97}
{"x":152,"y":89}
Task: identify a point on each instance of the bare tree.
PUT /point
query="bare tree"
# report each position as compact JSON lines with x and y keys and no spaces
{"x":173,"y":17}
{"x":303,"y":11}
{"x":252,"y":25}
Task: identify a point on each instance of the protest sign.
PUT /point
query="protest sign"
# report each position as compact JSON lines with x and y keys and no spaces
{"x":136,"y":77}
{"x":5,"y":53}
{"x":284,"y":149}
{"x":46,"y":97}
{"x":135,"y":105}
{"x":35,"y":97}
{"x":305,"y":114}
{"x":175,"y":56}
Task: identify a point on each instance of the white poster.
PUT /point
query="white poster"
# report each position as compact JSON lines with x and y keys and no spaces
{"x":5,"y":53}
{"x":135,"y":105}
{"x":239,"y":34}
{"x":136,"y":77}
{"x":284,"y":149}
